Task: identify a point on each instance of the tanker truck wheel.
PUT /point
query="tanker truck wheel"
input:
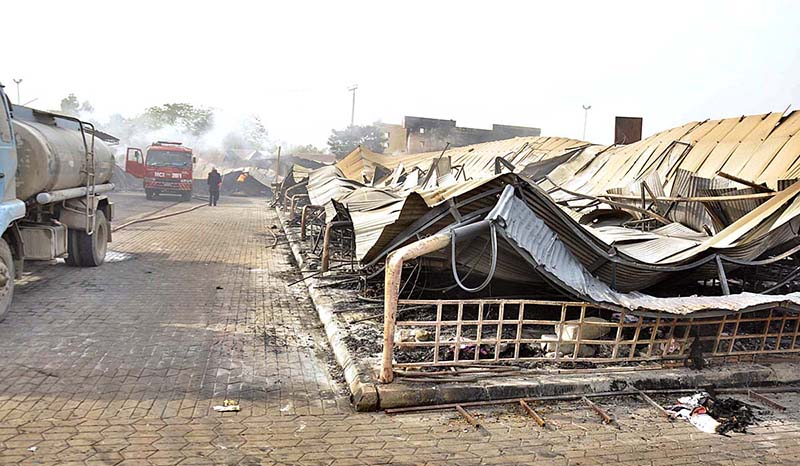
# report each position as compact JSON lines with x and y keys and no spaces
{"x":6,"y":278}
{"x":88,"y":250}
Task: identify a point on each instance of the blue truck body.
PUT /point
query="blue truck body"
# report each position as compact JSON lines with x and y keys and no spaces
{"x":11,"y":208}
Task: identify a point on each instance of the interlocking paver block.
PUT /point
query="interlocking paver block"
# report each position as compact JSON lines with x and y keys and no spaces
{"x":122,"y":364}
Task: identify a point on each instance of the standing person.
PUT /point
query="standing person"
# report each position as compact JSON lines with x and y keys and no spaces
{"x":214,"y":183}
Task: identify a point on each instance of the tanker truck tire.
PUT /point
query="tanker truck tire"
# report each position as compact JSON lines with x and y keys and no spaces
{"x":88,"y":250}
{"x":6,"y":278}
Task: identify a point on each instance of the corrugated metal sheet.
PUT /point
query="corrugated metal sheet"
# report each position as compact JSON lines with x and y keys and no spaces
{"x":682,"y":161}
{"x":550,"y":257}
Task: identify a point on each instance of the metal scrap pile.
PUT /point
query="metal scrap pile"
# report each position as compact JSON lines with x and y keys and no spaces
{"x":702,"y":217}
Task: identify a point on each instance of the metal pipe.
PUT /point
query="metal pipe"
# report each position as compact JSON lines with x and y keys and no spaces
{"x":532,"y":413}
{"x":723,"y":279}
{"x":303,"y":217}
{"x":296,"y":198}
{"x":292,"y":189}
{"x":756,"y":186}
{"x":416,"y":409}
{"x":72,"y":193}
{"x":326,"y":243}
{"x":468,"y":417}
{"x":394,"y":271}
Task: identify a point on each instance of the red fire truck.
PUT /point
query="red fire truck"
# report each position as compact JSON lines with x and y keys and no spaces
{"x":166,"y":168}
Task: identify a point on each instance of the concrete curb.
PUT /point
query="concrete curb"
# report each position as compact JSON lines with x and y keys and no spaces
{"x":368,"y":394}
{"x":398,"y":395}
{"x":364,"y":393}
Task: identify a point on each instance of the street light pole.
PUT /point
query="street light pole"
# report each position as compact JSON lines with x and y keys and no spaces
{"x":586,"y":109}
{"x":17,"y":81}
{"x":353,"y":109}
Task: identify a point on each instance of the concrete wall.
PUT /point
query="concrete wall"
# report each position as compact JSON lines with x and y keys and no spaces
{"x":429,"y":134}
{"x":395,"y":138}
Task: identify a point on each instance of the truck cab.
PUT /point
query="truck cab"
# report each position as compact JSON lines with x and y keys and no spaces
{"x":166,"y":168}
{"x":11,"y":208}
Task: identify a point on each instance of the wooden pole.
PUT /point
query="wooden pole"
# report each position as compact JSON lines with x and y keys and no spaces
{"x":278,"y":165}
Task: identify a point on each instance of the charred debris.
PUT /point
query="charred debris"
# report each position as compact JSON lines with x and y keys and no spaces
{"x":680,"y":247}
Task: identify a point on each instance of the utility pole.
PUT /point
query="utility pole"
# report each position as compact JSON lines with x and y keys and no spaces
{"x":353,"y":109}
{"x":586,"y":109}
{"x":278,"y":165}
{"x":17,"y":81}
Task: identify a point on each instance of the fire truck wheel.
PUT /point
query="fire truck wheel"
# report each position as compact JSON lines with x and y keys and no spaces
{"x":187,"y":196}
{"x":148,"y":194}
{"x":6,"y":278}
{"x":89,"y":250}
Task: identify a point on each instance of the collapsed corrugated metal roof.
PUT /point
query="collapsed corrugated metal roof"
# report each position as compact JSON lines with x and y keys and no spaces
{"x":551,"y":258}
{"x":681,"y":204}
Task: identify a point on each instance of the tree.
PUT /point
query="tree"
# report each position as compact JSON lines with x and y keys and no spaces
{"x":304,"y":149}
{"x":255,"y":133}
{"x":70,"y":105}
{"x":343,"y":142}
{"x":194,"y":120}
{"x":251,"y":135}
{"x":234,"y":140}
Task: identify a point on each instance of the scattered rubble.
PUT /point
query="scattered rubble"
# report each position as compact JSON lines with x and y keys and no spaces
{"x":714,"y":415}
{"x":228,"y":406}
{"x":679,"y":247}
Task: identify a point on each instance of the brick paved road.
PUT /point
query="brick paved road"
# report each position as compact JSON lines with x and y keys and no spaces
{"x":122,"y":364}
{"x":133,"y":204}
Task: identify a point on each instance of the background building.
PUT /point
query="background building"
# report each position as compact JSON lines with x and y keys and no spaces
{"x":418,"y":134}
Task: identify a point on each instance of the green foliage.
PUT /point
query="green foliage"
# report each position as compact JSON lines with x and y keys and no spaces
{"x":252,"y":135}
{"x":70,"y":105}
{"x":234,"y":140}
{"x":255,"y":133}
{"x":304,"y":149}
{"x":342,"y":142}
{"x":194,"y":120}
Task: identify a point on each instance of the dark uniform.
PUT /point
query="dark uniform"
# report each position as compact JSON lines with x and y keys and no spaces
{"x":214,"y":182}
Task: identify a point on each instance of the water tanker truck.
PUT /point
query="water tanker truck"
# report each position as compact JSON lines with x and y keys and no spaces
{"x":54,"y":170}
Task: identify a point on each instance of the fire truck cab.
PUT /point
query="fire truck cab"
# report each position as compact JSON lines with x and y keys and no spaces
{"x":166,"y":168}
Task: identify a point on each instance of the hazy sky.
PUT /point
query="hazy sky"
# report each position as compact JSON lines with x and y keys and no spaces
{"x":520,"y":63}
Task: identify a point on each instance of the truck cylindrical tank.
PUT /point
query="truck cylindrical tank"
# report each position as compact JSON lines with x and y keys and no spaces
{"x":50,"y":158}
